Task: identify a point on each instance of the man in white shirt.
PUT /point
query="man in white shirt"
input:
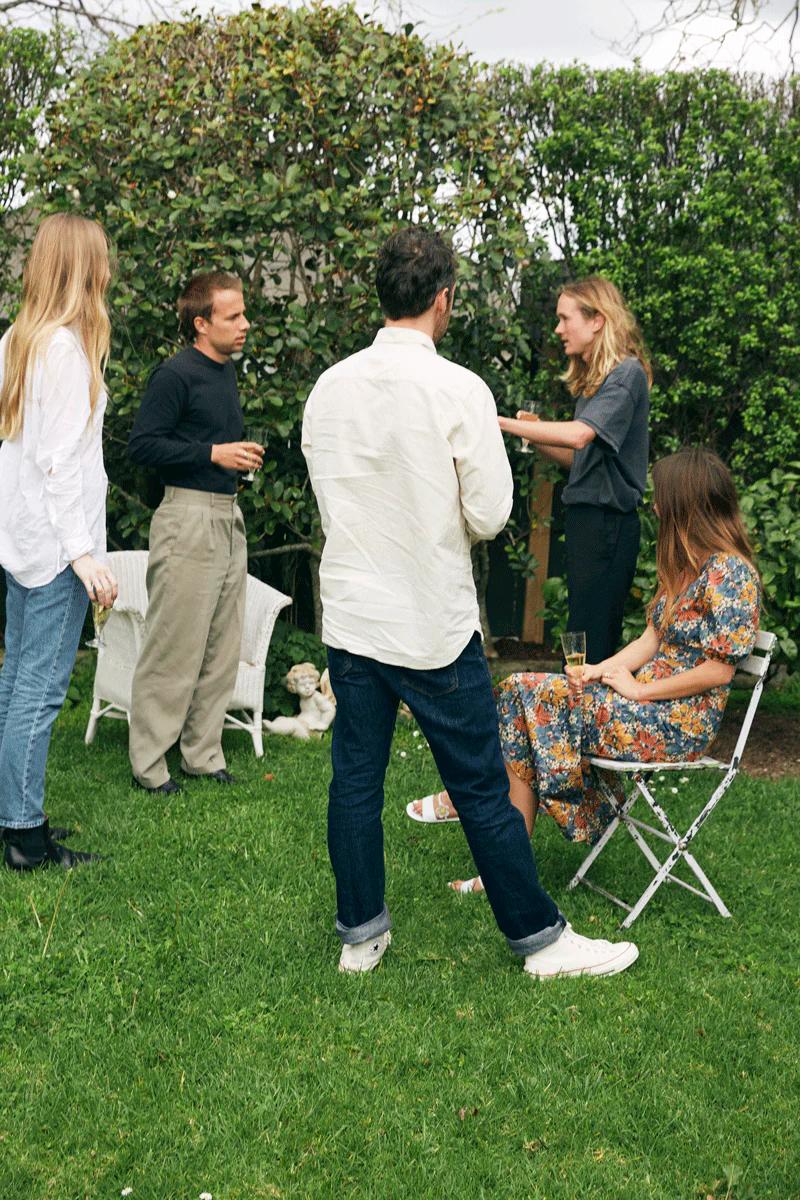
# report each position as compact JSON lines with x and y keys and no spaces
{"x":408,"y":466}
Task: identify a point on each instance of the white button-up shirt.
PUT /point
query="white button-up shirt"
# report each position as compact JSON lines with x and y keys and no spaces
{"x":408,"y":466}
{"x":52,"y":480}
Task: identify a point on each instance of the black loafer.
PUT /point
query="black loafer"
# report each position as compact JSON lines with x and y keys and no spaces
{"x":170,"y":788}
{"x":220,"y":776}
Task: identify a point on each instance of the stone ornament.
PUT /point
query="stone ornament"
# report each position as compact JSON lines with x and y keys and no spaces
{"x":317,"y":704}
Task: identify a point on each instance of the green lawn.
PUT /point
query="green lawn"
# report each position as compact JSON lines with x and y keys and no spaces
{"x":172,"y":1021}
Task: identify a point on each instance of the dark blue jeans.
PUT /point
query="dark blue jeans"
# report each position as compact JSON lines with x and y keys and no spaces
{"x":455,"y":709}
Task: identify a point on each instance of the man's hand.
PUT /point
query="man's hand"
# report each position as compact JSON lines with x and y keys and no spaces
{"x":238,"y":456}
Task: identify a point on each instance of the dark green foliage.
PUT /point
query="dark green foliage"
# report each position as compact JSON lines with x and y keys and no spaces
{"x":285,"y":146}
{"x":31,"y":65}
{"x":685,"y":190}
{"x":288,"y":646}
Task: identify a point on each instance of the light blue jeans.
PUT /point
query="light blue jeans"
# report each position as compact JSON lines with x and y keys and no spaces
{"x":43,"y":629}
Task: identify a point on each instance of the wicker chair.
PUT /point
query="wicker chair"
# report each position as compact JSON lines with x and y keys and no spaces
{"x":124,"y":634}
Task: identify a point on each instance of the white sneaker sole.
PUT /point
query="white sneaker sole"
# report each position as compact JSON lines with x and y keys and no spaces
{"x":609,"y":966}
{"x":366,"y":965}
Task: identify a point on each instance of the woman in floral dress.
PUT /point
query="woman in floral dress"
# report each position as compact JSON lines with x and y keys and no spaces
{"x":662,"y":697}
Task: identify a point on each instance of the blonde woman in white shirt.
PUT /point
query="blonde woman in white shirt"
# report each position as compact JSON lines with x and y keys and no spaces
{"x":52,"y":511}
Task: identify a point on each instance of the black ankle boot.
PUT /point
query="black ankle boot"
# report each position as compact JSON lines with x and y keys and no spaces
{"x":59,"y":833}
{"x":29,"y":849}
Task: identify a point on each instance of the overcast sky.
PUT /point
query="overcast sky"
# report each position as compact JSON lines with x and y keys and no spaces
{"x":562,"y":31}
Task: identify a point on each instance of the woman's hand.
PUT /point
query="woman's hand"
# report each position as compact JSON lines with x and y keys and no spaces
{"x":578,"y":676}
{"x":98,"y":580}
{"x":621,"y":680}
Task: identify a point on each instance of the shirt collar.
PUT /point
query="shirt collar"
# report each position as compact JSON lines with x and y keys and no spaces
{"x":399,"y":335}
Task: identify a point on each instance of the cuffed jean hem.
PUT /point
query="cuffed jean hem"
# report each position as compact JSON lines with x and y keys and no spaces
{"x":363,"y":933}
{"x":537,"y":941}
{"x":4,"y":824}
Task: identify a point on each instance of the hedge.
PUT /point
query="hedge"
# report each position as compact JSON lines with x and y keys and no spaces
{"x":286,"y":144}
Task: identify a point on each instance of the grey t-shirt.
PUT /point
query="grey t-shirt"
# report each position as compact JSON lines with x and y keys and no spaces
{"x":612,"y":470}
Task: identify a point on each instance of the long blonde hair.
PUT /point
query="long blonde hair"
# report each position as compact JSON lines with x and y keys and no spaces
{"x":64,"y":283}
{"x":620,"y":337}
{"x":698,"y":515}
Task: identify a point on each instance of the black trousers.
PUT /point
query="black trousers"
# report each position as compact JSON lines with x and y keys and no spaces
{"x":602,"y":548}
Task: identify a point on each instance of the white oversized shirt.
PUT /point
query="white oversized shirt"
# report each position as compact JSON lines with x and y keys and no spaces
{"x":408,"y":466}
{"x":52,"y":480}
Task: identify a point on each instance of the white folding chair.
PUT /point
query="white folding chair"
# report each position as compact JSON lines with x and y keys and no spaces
{"x":123,"y":637}
{"x":757,"y":665}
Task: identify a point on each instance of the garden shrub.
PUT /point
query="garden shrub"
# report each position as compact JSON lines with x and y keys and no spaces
{"x":285,"y":144}
{"x":289,"y":645}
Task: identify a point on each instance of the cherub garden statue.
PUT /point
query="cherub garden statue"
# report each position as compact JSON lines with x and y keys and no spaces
{"x":317,"y":708}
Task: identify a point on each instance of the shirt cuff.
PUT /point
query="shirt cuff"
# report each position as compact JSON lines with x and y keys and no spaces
{"x":204,"y":453}
{"x":77,"y":547}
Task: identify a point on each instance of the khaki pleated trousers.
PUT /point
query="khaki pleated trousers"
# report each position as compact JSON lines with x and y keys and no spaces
{"x":196,"y":581}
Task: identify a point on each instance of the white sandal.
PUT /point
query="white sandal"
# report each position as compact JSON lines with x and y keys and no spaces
{"x":467,"y":886}
{"x":430,"y":810}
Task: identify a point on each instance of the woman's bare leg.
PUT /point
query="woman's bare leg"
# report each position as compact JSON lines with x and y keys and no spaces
{"x":523,"y":798}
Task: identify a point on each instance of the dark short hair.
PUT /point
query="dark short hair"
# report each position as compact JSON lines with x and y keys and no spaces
{"x":413,"y":267}
{"x":197,"y":298}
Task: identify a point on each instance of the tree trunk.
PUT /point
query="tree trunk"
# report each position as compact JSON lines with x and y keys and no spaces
{"x":480,"y":572}
{"x":313,"y":566}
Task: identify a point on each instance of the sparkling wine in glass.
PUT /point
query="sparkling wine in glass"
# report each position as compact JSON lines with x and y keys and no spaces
{"x":574,"y":647}
{"x":100,"y":615}
{"x":530,"y":412}
{"x":254,"y":433}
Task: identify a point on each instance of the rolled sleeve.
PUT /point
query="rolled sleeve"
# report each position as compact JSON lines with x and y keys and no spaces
{"x":484,"y":473}
{"x":66,"y":415}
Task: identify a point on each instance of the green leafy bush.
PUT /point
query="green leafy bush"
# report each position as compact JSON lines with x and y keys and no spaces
{"x":284,"y":145}
{"x":289,"y":645}
{"x":31,"y":68}
{"x":772,"y":510}
{"x":246,"y":143}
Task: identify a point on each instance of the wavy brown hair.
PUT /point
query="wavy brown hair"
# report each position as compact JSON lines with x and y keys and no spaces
{"x":620,"y":337}
{"x":65,"y":280}
{"x":698,"y":515}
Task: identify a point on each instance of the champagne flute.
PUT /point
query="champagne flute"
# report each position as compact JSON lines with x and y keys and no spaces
{"x":573,"y":646}
{"x":254,"y":433}
{"x":100,"y":615}
{"x":531,"y":411}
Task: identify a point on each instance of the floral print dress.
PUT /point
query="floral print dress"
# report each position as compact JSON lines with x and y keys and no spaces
{"x":547,"y":736}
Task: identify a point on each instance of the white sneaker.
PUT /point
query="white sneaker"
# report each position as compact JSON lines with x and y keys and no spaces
{"x":573,"y":954}
{"x":364,"y":956}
